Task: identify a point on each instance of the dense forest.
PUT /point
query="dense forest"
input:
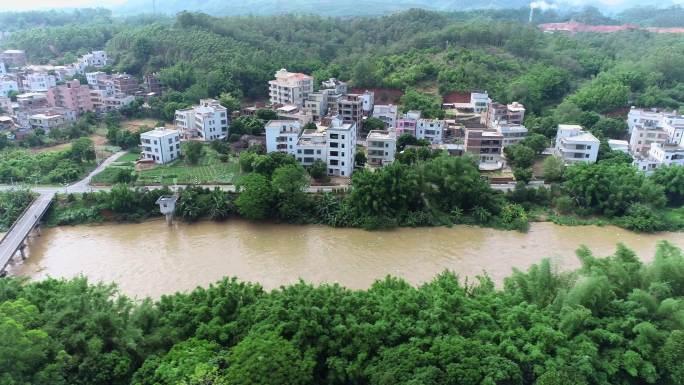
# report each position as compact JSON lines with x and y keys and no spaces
{"x":616,"y":320}
{"x":559,"y":78}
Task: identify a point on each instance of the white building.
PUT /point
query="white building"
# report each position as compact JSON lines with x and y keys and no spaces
{"x":93,"y":78}
{"x":387,"y":113}
{"x":39,"y":82}
{"x":106,"y":102}
{"x":619,"y":145}
{"x":667,"y":155}
{"x":479,"y":101}
{"x":431,"y":129}
{"x":334,"y":144}
{"x":341,"y":142}
{"x":282,"y":135}
{"x":573,"y":144}
{"x":653,"y":126}
{"x":160,"y":145}
{"x":290,"y":88}
{"x":381,"y":147}
{"x":8,"y":85}
{"x":46,"y":122}
{"x":335,"y":86}
{"x":208,"y":121}
{"x":512,"y":133}
{"x":96,"y":59}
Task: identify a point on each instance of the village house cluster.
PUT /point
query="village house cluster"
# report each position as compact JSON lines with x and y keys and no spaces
{"x":655,"y":139}
{"x":44,"y":97}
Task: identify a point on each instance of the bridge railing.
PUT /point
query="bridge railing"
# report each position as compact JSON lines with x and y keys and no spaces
{"x":9,"y":231}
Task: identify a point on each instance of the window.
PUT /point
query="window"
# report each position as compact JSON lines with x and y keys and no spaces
{"x":342,"y":153}
{"x":170,"y":140}
{"x":333,"y":153}
{"x":334,"y":162}
{"x":334,"y":144}
{"x":177,"y":146}
{"x":299,"y":151}
{"x":342,"y":136}
{"x":308,"y":151}
{"x":171,"y":148}
{"x":334,"y":136}
{"x":318,"y":152}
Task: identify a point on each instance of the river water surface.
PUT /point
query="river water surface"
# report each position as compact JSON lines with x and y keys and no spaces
{"x":151,"y":259}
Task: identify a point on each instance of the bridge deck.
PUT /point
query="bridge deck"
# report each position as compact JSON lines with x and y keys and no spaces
{"x":22,"y":227}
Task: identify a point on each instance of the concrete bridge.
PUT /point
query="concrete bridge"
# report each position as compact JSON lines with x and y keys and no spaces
{"x":14,"y":240}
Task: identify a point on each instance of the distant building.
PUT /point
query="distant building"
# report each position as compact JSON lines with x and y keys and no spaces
{"x":407,"y":123}
{"x":32,"y":100}
{"x":513,"y":113}
{"x":387,"y":113}
{"x":431,"y":130}
{"x":335,"y":86}
{"x":486,"y":147}
{"x":124,"y":84}
{"x":49,"y":118}
{"x":13,"y":58}
{"x":290,"y":88}
{"x":334,"y":144}
{"x":160,"y":145}
{"x":207,"y":121}
{"x":105,"y":102}
{"x":653,"y":126}
{"x":95,"y":59}
{"x":350,"y":108}
{"x":619,"y":145}
{"x":316,"y":104}
{"x":38,"y":82}
{"x":381,"y":147}
{"x":573,"y":144}
{"x":477,"y":102}
{"x":8,"y":85}
{"x":71,"y":95}
{"x":511,"y":132}
{"x":153,"y":85}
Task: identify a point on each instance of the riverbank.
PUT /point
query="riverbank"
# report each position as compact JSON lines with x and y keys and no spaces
{"x":151,"y":258}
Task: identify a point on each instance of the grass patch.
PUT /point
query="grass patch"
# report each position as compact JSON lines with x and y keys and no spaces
{"x":129,"y":157}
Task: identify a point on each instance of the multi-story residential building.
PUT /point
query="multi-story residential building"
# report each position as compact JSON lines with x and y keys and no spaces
{"x":479,"y":101}
{"x":486,"y":146}
{"x":290,"y":88}
{"x":208,"y":121}
{"x":13,"y":58}
{"x":106,"y":102}
{"x":573,"y":144}
{"x":407,"y":124}
{"x":312,"y":145}
{"x":368,"y":99}
{"x":7,"y":85}
{"x":94,"y":78}
{"x":512,"y":133}
{"x":619,"y":145}
{"x":316,"y":104}
{"x":282,"y":136}
{"x":341,"y":143}
{"x":160,"y":145}
{"x":334,"y":144}
{"x":293,"y":112}
{"x":643,"y":118}
{"x":6,"y":123}
{"x":31,"y":100}
{"x":124,"y":84}
{"x":381,"y":147}
{"x":152,"y":83}
{"x":5,"y":104}
{"x":71,"y":95}
{"x":46,"y":122}
{"x":387,"y":113}
{"x":513,"y":113}
{"x":667,"y":154}
{"x":431,"y":129}
{"x":642,"y":136}
{"x":350,"y":108}
{"x":38,"y":82}
{"x":335,"y":86}
{"x":95,"y":59}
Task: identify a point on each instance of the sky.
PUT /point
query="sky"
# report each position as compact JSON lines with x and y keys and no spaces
{"x":23,"y":5}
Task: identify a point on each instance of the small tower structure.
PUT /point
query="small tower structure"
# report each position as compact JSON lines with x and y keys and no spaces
{"x":167,"y":206}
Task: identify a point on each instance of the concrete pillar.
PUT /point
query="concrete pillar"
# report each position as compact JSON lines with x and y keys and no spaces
{"x":38,"y":232}
{"x":21,"y":250}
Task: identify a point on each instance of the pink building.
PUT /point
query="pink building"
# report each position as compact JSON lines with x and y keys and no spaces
{"x":407,"y":124}
{"x":71,"y":95}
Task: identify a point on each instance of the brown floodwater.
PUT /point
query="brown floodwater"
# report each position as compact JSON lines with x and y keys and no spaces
{"x":151,"y":259}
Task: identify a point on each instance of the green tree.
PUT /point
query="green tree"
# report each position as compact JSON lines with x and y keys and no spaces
{"x":553,"y":168}
{"x":256,"y":196}
{"x":319,"y":170}
{"x":266,"y":358}
{"x":360,"y":158}
{"x":230,"y":102}
{"x":671,"y":178}
{"x":193,"y":151}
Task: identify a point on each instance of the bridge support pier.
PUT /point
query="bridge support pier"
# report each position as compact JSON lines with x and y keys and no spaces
{"x":21,"y":250}
{"x":37,"y":228}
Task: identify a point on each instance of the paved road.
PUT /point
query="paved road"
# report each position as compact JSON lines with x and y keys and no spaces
{"x":22,"y":227}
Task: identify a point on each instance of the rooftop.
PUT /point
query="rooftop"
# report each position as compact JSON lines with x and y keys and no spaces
{"x":380,"y":134}
{"x":159,"y":132}
{"x":586,"y":137}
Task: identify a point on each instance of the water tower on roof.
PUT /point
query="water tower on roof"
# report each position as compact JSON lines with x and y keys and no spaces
{"x":167,"y":206}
